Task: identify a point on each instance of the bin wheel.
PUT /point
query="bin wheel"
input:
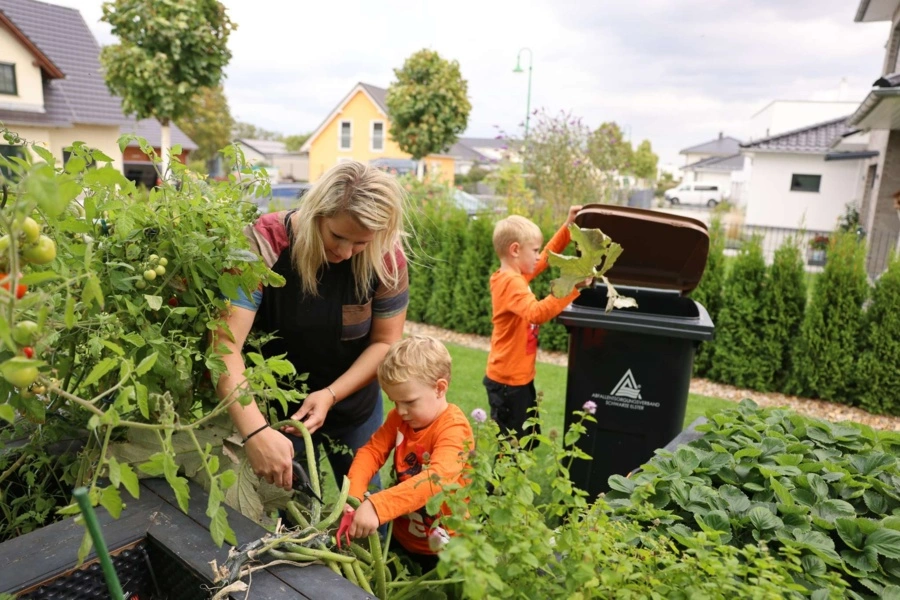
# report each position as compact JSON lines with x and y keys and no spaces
{"x":712,"y":203}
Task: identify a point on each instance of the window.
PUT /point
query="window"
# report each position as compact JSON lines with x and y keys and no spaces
{"x":805,"y":183}
{"x":706,"y":188}
{"x":7,"y":152}
{"x":377,"y":136}
{"x":345,"y":131}
{"x":8,"y":79}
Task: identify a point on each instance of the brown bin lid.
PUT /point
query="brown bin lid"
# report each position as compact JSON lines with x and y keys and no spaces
{"x":659,"y":250}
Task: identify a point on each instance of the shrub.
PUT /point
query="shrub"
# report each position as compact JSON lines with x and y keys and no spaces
{"x":439,"y":310}
{"x":471,"y":294}
{"x":878,"y":372}
{"x":709,"y":292}
{"x":784,"y":301}
{"x":824,"y":357}
{"x":738,"y":358}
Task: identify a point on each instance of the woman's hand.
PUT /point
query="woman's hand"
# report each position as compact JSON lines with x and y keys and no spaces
{"x":313,"y":412}
{"x":365,"y":521}
{"x":270,"y":455}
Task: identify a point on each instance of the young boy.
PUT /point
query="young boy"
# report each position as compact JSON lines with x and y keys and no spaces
{"x":429,"y":436}
{"x":517,"y":316}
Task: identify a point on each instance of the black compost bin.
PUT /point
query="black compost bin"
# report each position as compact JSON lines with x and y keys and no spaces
{"x":635,"y":364}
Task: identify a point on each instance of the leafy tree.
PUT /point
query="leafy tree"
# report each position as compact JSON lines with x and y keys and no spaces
{"x":644,"y":162}
{"x":709,"y":292}
{"x":877,"y":374}
{"x":784,"y":304}
{"x":738,"y":358}
{"x":293,"y":143}
{"x":510,"y":185}
{"x":428,"y":104}
{"x":665,"y":182}
{"x":167,"y":53}
{"x":209,"y":123}
{"x":249,"y":131}
{"x":608,"y":149}
{"x":824,"y":357}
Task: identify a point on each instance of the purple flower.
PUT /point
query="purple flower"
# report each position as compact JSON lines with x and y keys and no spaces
{"x":478,"y":415}
{"x":589,"y":407}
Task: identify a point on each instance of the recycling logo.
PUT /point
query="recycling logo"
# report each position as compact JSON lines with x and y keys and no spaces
{"x":627,"y":387}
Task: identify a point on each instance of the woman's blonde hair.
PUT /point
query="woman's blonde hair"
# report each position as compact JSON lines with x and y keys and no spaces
{"x":418,"y":357}
{"x":375,"y":200}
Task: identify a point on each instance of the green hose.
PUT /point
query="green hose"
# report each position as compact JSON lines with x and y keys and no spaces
{"x":93,"y":527}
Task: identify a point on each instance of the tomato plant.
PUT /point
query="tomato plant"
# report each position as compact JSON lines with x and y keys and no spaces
{"x":123,"y":372}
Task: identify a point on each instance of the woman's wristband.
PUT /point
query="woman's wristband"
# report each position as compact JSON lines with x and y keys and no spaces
{"x":247,"y":439}
{"x":333,"y":395}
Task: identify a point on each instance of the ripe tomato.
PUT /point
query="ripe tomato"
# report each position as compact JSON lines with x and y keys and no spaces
{"x":41,"y":252}
{"x":173,"y":302}
{"x":28,"y":351}
{"x":21,"y":288}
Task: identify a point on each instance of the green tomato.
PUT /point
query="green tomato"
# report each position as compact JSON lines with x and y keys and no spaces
{"x":4,"y":244}
{"x":153,"y":258}
{"x":30,"y":229}
{"x":41,"y":252}
{"x":140,"y":284}
{"x":160,"y":270}
{"x":163,"y":261}
{"x":149,"y":274}
{"x":25,"y":332}
{"x":19,"y":371}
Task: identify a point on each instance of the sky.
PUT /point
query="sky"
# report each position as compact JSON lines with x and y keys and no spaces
{"x":676,"y":72}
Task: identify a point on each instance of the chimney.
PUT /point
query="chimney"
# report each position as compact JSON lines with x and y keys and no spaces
{"x":720,"y":135}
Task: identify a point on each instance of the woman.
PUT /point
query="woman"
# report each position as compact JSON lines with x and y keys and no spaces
{"x":344,"y":303}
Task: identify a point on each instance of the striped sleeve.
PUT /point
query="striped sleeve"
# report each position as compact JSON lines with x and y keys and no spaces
{"x":268,"y":239}
{"x":390,"y":302}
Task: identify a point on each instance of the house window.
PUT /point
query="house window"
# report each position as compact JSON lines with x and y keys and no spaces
{"x":7,"y":152}
{"x":345,"y":131}
{"x":8,"y":79}
{"x":805,"y":183}
{"x":377,"y":136}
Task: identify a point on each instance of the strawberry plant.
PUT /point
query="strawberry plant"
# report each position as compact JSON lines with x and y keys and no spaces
{"x":109,"y":341}
{"x":828,"y":492}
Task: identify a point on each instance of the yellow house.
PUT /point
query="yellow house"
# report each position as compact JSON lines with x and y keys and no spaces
{"x":357,"y":129}
{"x":52,"y":90}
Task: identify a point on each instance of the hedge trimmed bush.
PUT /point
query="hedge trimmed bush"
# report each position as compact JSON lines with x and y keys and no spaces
{"x":878,"y":373}
{"x":825,"y":355}
{"x":709,"y":292}
{"x":425,"y":248}
{"x":471,"y":293}
{"x":439,"y":310}
{"x":738,"y":358}
{"x":784,"y":302}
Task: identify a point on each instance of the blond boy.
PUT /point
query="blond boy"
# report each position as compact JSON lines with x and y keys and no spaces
{"x":429,"y":437}
{"x":518,"y":315}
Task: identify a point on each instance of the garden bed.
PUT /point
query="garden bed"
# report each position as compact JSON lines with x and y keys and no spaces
{"x":159,"y":552}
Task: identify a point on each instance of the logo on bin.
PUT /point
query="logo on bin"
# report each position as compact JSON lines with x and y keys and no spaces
{"x":627,"y":387}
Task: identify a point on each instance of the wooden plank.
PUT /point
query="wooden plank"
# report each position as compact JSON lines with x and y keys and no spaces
{"x":318,"y":582}
{"x":52,"y":550}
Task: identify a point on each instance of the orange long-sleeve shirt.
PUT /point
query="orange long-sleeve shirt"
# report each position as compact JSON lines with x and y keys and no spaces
{"x":447,"y":441}
{"x":517,"y":316}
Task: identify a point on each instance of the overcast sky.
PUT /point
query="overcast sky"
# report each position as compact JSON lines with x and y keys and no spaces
{"x":675,"y":72}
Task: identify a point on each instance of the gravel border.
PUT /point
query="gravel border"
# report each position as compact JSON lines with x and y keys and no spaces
{"x":821,"y":409}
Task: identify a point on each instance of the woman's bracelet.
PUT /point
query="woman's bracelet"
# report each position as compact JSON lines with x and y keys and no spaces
{"x":247,"y":439}
{"x":333,"y":395}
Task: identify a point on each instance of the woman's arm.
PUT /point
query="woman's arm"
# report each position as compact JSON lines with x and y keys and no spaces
{"x":317,"y":404}
{"x":269,"y":451}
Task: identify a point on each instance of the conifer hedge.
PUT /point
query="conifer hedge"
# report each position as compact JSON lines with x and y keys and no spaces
{"x":784,"y":301}
{"x":878,"y":373}
{"x":709,"y":292}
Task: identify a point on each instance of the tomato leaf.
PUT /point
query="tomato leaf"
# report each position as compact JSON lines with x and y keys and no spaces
{"x":146,"y":364}
{"x":100,"y":369}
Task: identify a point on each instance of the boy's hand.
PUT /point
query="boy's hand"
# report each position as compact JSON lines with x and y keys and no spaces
{"x":585,"y":283}
{"x":573,"y":212}
{"x":365,"y":521}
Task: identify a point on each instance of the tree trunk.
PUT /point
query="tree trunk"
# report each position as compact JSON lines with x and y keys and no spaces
{"x":420,"y":169}
{"x":165,"y":148}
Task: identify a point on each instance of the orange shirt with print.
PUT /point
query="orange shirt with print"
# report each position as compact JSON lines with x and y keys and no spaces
{"x":447,"y":442}
{"x":517,"y":316}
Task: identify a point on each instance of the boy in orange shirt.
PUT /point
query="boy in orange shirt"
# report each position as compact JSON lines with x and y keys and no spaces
{"x":518,"y":315}
{"x":429,"y":436}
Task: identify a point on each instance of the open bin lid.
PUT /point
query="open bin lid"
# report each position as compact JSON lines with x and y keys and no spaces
{"x":659,"y":250}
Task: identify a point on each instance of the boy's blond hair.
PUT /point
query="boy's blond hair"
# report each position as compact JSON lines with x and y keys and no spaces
{"x":417,"y":357}
{"x":515,"y":228}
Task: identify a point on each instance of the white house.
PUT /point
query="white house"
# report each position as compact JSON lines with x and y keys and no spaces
{"x":804,"y":178}
{"x":483,"y":152}
{"x":781,"y":116}
{"x":283,"y":164}
{"x":716,"y":162}
{"x":879,"y":114}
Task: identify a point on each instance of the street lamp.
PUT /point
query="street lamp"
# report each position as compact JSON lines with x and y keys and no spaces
{"x":519,"y":69}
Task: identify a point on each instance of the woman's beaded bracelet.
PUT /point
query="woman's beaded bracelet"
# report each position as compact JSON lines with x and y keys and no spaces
{"x":247,"y":439}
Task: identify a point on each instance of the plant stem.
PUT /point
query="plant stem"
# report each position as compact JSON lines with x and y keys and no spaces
{"x":93,"y":527}
{"x":13,"y":467}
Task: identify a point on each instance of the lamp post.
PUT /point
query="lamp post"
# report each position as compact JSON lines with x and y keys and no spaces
{"x":519,"y":69}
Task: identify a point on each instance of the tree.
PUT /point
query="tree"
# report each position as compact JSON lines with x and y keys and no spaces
{"x":428,"y":105}
{"x":167,"y":53}
{"x":709,"y":292}
{"x":608,"y":149}
{"x":877,"y":373}
{"x":784,"y":301}
{"x":293,"y":143}
{"x":666,"y":182}
{"x":249,"y":131}
{"x":209,"y":123}
{"x":644,"y":162}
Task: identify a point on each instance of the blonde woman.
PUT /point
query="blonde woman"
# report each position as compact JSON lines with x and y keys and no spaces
{"x":344,"y":304}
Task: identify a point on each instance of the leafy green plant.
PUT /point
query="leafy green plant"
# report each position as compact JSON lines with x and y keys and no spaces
{"x":739,"y":358}
{"x":824,"y":356}
{"x":830,"y":492}
{"x":784,"y":302}
{"x":439,"y":310}
{"x":471,"y":298}
{"x":709,"y":292}
{"x":112,"y":334}
{"x":878,"y":375}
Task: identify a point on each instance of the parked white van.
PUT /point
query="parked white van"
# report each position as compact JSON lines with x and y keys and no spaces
{"x":705,"y":194}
